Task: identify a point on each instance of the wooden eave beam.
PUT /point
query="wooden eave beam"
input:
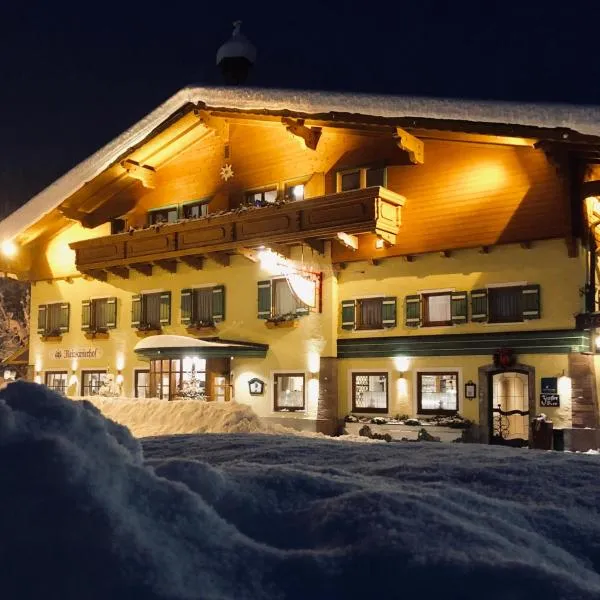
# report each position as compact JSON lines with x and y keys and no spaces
{"x":310,"y":135}
{"x":217,"y":125}
{"x":168,"y":264}
{"x":349,"y":241}
{"x":143,"y":173}
{"x":251,"y":255}
{"x":193,"y":261}
{"x":98,"y":274}
{"x":220,"y":258}
{"x":112,"y":209}
{"x":412,"y":145}
{"x":143,"y":268}
{"x":122,"y":272}
{"x":317,"y":246}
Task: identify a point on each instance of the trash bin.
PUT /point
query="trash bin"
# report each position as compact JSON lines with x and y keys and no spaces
{"x":541,"y":434}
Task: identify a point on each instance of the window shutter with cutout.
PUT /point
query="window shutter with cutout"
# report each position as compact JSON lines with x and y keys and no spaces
{"x":218,"y":303}
{"x":413,"y":311}
{"x":111,"y":313}
{"x":388,"y":312}
{"x":531,"y":302}
{"x":136,"y":310}
{"x":165,"y":308}
{"x":42,"y":318}
{"x":459,"y":308}
{"x":479,"y":306}
{"x":63,"y":322}
{"x":264,"y":299}
{"x":348,"y":314}
{"x":186,"y":306}
{"x":86,"y":315}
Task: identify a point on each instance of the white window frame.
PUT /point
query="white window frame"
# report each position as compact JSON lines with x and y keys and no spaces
{"x":459,"y":395}
{"x":290,"y":413}
{"x":374,"y":369}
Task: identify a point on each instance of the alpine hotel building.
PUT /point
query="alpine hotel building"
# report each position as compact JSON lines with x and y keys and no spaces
{"x":315,"y":255}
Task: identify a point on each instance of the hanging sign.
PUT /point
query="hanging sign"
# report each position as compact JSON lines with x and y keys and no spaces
{"x":89,"y":353}
{"x":549,"y":395}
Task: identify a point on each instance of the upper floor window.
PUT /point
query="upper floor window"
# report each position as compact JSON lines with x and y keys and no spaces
{"x":370,"y":392}
{"x":437,"y":393}
{"x":288,"y":391}
{"x":369,"y":313}
{"x":506,"y":304}
{"x":262,"y":197}
{"x":437,"y":309}
{"x":203,"y":306}
{"x":277,"y":300}
{"x":361,"y":177}
{"x":195,"y":210}
{"x":151,"y":310}
{"x":53,"y":319}
{"x":99,"y":314}
{"x":169,"y":214}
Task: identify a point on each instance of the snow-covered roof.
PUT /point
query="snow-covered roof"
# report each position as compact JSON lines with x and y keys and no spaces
{"x":583,"y":119}
{"x":159,"y":342}
{"x":176,"y":346}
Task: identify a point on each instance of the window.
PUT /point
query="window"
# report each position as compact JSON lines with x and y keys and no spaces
{"x":362,"y":177}
{"x":437,"y":393}
{"x":117,"y":226}
{"x":437,"y":309}
{"x":163,"y":215}
{"x":142,"y":383}
{"x":57,"y":381}
{"x":99,"y":314}
{"x":505,"y":304}
{"x":177,"y":378}
{"x":151,"y":311}
{"x":262,"y":197}
{"x":369,"y":313}
{"x":91,"y":382}
{"x":203,"y":306}
{"x":289,"y":391}
{"x":53,"y":319}
{"x":294,"y":191}
{"x":277,"y":300}
{"x":195,"y":210}
{"x":370,"y":392}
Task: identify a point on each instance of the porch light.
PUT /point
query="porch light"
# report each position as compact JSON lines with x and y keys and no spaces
{"x":9,"y":248}
{"x":298,"y":191}
{"x":379,"y":243}
{"x":314,"y":362}
{"x":598,"y":343}
{"x":401,"y":363}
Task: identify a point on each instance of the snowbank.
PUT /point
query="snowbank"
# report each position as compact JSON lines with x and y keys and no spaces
{"x":243,"y":516}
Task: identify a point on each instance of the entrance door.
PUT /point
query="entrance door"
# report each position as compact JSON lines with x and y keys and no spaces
{"x":509,"y":411}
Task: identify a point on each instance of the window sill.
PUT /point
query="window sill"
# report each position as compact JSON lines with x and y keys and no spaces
{"x":142,"y":333}
{"x":51,"y":338}
{"x":290,"y":411}
{"x":289,"y":324}
{"x":511,"y":324}
{"x":97,"y":335}
{"x":202,"y":331}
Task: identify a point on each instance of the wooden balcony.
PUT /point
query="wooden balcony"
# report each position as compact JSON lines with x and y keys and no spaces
{"x":374,"y":210}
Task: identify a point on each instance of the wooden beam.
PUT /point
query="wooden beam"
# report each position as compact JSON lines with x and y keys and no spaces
{"x":143,"y":268}
{"x":251,"y":255}
{"x":350,"y":241}
{"x":122,"y":272}
{"x":218,"y":125}
{"x":280,"y":249}
{"x":220,"y":257}
{"x":317,"y":245}
{"x":112,"y":209}
{"x":194,"y":261}
{"x":310,"y":135}
{"x":413,"y":146}
{"x":144,"y":173}
{"x":168,"y":264}
{"x":98,"y":274}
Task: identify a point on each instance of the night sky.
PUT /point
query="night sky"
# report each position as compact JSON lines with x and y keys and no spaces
{"x":73,"y":77}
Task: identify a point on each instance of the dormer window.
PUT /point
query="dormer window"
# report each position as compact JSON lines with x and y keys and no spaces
{"x":361,"y":177}
{"x":195,"y":210}
{"x":262,"y":197}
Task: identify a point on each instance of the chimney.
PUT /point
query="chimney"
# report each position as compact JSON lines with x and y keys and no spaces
{"x":236,"y":57}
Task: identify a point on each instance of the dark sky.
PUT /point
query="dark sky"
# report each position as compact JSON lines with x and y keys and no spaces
{"x":73,"y":76}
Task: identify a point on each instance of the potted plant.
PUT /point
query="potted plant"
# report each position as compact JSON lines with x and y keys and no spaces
{"x":98,"y":333}
{"x":289,"y":320}
{"x":147,"y":329}
{"x":202,"y":328}
{"x":53,"y":335}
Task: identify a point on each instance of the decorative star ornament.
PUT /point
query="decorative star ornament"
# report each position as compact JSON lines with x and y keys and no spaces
{"x":226,"y":172}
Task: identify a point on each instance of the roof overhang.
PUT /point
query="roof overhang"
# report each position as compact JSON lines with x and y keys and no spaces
{"x":180,"y":346}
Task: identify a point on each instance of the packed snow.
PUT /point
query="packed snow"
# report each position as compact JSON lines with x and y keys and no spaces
{"x":583,"y":119}
{"x":90,"y":512}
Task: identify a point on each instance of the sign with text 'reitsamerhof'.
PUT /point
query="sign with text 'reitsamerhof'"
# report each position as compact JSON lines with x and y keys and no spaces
{"x":89,"y":353}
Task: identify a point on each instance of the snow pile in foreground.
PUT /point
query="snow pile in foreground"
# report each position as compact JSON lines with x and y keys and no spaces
{"x":242,"y":516}
{"x":152,"y":417}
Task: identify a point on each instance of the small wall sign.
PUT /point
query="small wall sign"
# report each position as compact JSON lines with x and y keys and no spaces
{"x":256,"y":387}
{"x":549,"y":395}
{"x":470,"y":390}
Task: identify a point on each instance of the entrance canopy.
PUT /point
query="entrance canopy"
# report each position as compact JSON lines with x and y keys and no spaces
{"x":179,"y":346}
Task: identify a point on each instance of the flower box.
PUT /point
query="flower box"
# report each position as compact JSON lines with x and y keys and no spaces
{"x":284,"y":324}
{"x":52,"y":338}
{"x":142,"y":333}
{"x":96,"y":335}
{"x":206,"y":331}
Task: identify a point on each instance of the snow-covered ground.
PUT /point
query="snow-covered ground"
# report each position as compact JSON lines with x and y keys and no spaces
{"x":88,"y":511}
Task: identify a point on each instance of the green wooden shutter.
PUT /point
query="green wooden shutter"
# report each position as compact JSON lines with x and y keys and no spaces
{"x":86,"y":315}
{"x":412,"y":311}
{"x":42,"y":318}
{"x":264,"y":299}
{"x":479,"y":306}
{"x":388,"y":312}
{"x":218,"y":303}
{"x":165,"y":308}
{"x":63,"y":321}
{"x":186,"y":306}
{"x":136,"y":311}
{"x":531,"y":302}
{"x":459,"y":307}
{"x":111,"y":313}
{"x":348,"y":314}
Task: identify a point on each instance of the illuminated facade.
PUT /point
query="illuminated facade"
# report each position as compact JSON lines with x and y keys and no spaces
{"x":311,"y":263}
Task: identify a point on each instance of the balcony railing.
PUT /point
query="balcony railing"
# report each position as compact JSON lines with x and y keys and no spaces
{"x":371,"y":210}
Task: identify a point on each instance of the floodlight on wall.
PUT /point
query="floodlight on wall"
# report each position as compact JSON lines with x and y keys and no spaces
{"x":8,"y":248}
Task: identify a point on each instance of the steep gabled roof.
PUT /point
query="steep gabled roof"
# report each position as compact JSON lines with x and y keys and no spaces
{"x":566,"y":122}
